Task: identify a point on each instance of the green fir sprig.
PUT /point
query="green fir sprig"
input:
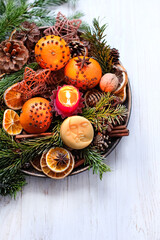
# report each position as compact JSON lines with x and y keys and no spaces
{"x":99,"y":49}
{"x":95,"y":161}
{"x":104,"y":111}
{"x":11,"y":178}
{"x":13,"y":155}
{"x":13,"y":13}
{"x":35,"y":147}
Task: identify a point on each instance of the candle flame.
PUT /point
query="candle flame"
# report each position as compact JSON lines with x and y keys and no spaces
{"x":68,"y":95}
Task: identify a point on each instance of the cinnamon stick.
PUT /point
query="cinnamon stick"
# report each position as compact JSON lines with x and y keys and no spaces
{"x":79,"y":163}
{"x":119,"y":134}
{"x":119,"y":131}
{"x":120,"y":127}
{"x":33,"y":135}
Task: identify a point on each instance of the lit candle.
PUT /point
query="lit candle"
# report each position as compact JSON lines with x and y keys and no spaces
{"x":67,"y":99}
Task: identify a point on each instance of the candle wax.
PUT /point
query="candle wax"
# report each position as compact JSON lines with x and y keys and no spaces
{"x":67,"y":99}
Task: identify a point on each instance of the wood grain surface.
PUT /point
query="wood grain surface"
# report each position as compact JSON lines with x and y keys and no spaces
{"x":125,"y":205}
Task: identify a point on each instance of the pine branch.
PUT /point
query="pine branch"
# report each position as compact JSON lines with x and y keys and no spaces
{"x":35,"y":147}
{"x":11,"y":181}
{"x":104,"y":111}
{"x":13,"y":155}
{"x":10,"y":79}
{"x":13,"y":13}
{"x":99,"y":49}
{"x":95,"y":160}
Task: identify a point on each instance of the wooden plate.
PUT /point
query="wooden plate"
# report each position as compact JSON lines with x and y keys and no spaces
{"x":33,"y":172}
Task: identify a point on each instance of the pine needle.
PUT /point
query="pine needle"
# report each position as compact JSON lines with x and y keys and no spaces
{"x":104,"y":111}
{"x":99,"y":49}
{"x":95,"y":161}
{"x":13,"y":13}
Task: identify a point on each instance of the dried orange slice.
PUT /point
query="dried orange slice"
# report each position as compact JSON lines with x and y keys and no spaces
{"x":122,"y":95}
{"x":123,"y":81}
{"x":11,"y":122}
{"x":12,"y":98}
{"x":58,"y":159}
{"x":56,"y":175}
{"x":36,"y":164}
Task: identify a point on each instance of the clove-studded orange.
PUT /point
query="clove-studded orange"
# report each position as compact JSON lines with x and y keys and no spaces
{"x":36,"y":115}
{"x":83,"y":72}
{"x":52,"y":52}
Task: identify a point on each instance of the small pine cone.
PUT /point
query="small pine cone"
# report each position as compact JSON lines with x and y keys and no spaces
{"x":114,"y":53}
{"x":28,"y":34}
{"x":92,"y":97}
{"x":78,"y":48}
{"x":13,"y":55}
{"x":101,"y":141}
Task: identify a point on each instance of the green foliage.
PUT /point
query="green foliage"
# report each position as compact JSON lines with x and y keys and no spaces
{"x":13,"y":155}
{"x":99,"y":49}
{"x":11,"y":179}
{"x":104,"y":111}
{"x":13,"y":13}
{"x":9,"y":79}
{"x":95,"y":161}
{"x":11,"y":182}
{"x":35,"y":147}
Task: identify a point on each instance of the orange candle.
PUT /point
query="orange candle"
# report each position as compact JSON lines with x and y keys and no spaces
{"x":67,"y":99}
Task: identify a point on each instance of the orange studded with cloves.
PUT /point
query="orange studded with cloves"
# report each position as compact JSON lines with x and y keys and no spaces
{"x":83,"y":72}
{"x":36,"y":115}
{"x":52,"y":52}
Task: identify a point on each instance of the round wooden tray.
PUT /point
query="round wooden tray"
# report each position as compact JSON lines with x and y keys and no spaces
{"x":33,"y":172}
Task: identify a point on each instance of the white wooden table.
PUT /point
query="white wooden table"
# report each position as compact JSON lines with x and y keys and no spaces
{"x":125,"y":205}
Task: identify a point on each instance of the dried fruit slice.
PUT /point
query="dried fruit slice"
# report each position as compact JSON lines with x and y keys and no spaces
{"x":36,"y":164}
{"x":58,"y":159}
{"x":124,"y":81}
{"x":12,"y":98}
{"x":122,"y":95}
{"x":11,"y":122}
{"x":59,"y":175}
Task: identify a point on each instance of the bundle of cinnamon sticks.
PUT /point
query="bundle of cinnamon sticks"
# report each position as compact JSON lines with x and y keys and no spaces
{"x":119,"y":131}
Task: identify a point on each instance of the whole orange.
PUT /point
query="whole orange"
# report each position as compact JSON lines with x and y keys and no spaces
{"x":52,"y":52}
{"x":83,"y":72}
{"x":36,"y":115}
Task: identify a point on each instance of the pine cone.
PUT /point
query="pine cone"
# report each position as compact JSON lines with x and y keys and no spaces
{"x":13,"y":55}
{"x":114,"y":54}
{"x":78,"y":48}
{"x":29,"y":34}
{"x":92,"y":97}
{"x":101,"y":141}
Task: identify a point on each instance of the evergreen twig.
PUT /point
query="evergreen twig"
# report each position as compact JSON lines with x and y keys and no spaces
{"x":104,"y":111}
{"x":95,"y":161}
{"x":13,"y":13}
{"x":99,"y":49}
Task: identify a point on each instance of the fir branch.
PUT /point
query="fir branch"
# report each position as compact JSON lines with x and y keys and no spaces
{"x":13,"y":13}
{"x":35,"y":147}
{"x":104,"y":111}
{"x":11,"y":181}
{"x":13,"y":155}
{"x":99,"y":49}
{"x":95,"y":160}
{"x":12,"y":78}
